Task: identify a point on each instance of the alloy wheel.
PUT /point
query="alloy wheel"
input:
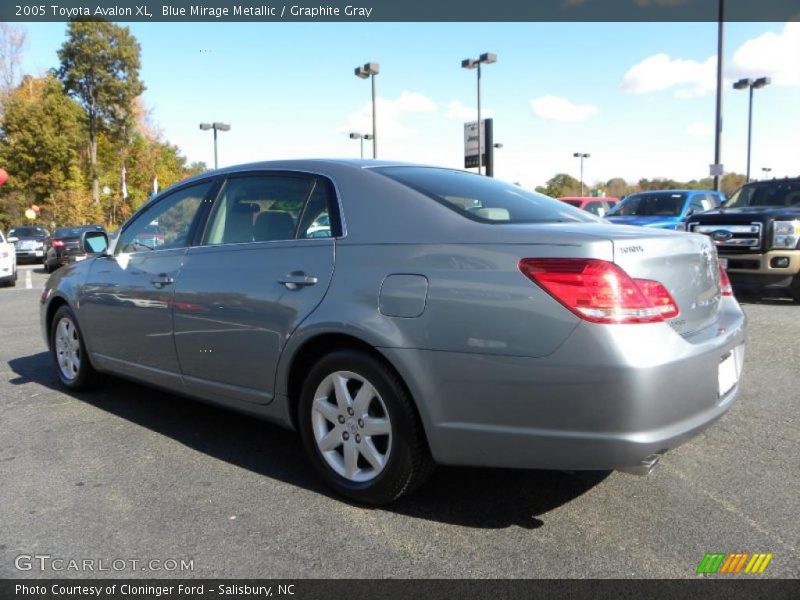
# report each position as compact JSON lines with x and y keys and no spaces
{"x":351,"y":426}
{"x":68,"y":348}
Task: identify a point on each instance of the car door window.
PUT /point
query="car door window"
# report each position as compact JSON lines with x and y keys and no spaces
{"x":696,"y":205}
{"x":166,"y":224}
{"x":596,"y":207}
{"x":268,"y":208}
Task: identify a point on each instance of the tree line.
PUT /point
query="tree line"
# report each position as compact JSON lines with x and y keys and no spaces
{"x":561,"y":185}
{"x":77,"y":142}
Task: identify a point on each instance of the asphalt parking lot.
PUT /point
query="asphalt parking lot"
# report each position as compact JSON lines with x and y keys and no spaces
{"x":131,"y":473}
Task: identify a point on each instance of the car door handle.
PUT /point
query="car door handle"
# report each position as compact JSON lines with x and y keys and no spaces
{"x":162,"y":280}
{"x":297,"y":279}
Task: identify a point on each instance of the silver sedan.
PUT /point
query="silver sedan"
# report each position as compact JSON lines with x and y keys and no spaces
{"x":400,"y":316}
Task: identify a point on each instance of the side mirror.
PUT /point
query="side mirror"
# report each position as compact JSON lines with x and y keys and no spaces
{"x":12,"y":240}
{"x":94,"y":242}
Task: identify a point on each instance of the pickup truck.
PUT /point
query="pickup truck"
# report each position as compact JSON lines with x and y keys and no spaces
{"x":757,"y":235}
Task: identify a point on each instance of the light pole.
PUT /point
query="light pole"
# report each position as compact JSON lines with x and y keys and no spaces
{"x":370,"y":70}
{"x":470,"y":63}
{"x":217,"y":126}
{"x":767,"y":171}
{"x":751,"y":84}
{"x":717,"y":169}
{"x":361,"y":137}
{"x":581,"y":155}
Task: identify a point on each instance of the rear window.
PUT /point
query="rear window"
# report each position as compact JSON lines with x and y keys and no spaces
{"x":63,"y":232}
{"x":668,"y":204}
{"x":26,"y":231}
{"x":575,"y":203}
{"x":785,"y":193}
{"x":484,"y":199}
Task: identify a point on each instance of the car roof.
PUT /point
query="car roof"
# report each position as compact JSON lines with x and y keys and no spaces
{"x":676,"y":191}
{"x":306,"y":164}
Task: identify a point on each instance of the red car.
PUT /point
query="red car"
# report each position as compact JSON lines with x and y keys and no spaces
{"x":596,"y":206}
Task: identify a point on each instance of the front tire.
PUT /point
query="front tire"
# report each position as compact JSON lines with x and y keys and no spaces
{"x":794,"y":290}
{"x":68,"y":352}
{"x":360,"y":430}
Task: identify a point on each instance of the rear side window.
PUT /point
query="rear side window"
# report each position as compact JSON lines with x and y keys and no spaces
{"x":269,"y":208}
{"x":484,"y":199}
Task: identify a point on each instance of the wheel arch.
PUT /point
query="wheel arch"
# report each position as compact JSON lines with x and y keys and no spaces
{"x":56,"y":302}
{"x":314,"y":348}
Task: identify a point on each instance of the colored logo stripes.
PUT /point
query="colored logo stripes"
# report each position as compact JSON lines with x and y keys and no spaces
{"x":734,"y":563}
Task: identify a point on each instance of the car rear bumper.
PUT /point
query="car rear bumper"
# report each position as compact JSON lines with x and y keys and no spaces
{"x":33,"y":254}
{"x":609,"y":398}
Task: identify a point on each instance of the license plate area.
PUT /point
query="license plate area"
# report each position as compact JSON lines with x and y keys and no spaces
{"x":728,"y":373}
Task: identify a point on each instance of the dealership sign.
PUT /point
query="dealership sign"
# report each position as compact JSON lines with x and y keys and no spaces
{"x":471,"y":143}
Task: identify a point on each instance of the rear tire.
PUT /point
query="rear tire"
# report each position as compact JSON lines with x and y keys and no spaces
{"x":68,"y":352}
{"x":360,"y":429}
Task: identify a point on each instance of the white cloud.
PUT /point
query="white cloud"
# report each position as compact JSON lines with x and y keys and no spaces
{"x":557,"y":108}
{"x":456,"y":110}
{"x":699,"y":130}
{"x":775,"y":55}
{"x":390,"y":115}
{"x":661,"y":72}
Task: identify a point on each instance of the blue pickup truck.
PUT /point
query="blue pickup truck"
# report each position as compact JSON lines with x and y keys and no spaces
{"x":664,"y":209}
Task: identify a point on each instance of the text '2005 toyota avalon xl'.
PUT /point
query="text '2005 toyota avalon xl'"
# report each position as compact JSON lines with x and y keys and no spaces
{"x":400,"y":316}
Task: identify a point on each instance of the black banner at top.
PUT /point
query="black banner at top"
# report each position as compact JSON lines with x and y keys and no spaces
{"x":395,"y":11}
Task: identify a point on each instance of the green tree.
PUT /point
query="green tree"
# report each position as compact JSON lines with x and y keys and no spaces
{"x":40,"y":143}
{"x":731,"y":182}
{"x":100,"y":64}
{"x":617,"y":187}
{"x":561,"y":185}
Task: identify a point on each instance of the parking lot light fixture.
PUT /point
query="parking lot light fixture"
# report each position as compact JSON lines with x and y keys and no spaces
{"x":361,"y":137}
{"x":475,"y":63}
{"x":750,"y":84}
{"x":369,"y":70}
{"x":216,"y":126}
{"x":767,"y":171}
{"x":581,"y":155}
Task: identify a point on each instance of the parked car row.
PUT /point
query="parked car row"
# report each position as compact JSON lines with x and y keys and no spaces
{"x":31,"y":243}
{"x":663,"y":209}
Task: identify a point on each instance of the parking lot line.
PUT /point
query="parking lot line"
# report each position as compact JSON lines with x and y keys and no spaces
{"x":28,"y":281}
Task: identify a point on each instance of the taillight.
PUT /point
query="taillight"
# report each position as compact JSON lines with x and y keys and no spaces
{"x":57,"y":244}
{"x":725,"y":287}
{"x":599,"y":291}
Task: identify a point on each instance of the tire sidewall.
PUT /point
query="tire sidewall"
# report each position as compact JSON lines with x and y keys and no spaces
{"x":393,"y":479}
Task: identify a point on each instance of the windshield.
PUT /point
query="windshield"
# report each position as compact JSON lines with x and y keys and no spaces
{"x":26,"y":232}
{"x":769,"y":193}
{"x":668,"y":204}
{"x":484,"y":199}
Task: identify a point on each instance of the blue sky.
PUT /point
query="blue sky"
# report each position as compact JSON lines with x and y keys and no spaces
{"x":637,"y":96}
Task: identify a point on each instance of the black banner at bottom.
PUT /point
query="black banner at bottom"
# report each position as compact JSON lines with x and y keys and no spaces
{"x":395,"y":589}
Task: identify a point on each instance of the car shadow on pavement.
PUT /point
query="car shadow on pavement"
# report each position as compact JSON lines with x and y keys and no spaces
{"x":470,"y":497}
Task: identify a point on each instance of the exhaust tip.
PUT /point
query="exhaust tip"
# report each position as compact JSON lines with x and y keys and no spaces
{"x":644,"y":468}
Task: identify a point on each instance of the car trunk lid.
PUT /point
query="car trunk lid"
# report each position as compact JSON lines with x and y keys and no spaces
{"x":685,"y":264}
